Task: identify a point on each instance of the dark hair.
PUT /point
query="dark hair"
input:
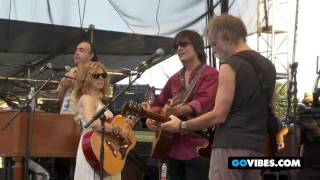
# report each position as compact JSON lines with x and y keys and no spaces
{"x":196,"y":40}
{"x":92,"y":51}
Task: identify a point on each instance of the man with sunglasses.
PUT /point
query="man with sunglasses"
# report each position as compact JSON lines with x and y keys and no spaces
{"x":83,"y":54}
{"x":201,"y":81}
{"x":241,"y":107}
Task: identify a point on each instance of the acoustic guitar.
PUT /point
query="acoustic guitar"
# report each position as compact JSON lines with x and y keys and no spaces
{"x":164,"y":140}
{"x":115,"y":147}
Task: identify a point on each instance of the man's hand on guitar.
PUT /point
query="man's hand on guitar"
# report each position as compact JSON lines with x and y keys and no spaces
{"x":168,"y":110}
{"x":178,"y":110}
{"x":164,"y":110}
{"x":173,"y":125}
{"x":173,"y":111}
{"x":153,"y":125}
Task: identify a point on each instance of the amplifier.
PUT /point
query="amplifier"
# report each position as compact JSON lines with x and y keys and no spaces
{"x":135,"y":93}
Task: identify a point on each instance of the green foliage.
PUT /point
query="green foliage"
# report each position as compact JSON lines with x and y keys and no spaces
{"x":281,"y":102}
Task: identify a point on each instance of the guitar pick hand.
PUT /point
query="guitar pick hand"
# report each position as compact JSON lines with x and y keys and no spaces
{"x":171,"y":110}
{"x":173,"y":125}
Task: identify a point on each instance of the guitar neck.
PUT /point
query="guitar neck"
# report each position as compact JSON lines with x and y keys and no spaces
{"x":162,"y":119}
{"x":157,"y":117}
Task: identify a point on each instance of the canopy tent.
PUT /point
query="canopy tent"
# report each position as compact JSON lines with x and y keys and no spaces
{"x":124,"y":33}
{"x":163,"y":18}
{"x":31,"y":45}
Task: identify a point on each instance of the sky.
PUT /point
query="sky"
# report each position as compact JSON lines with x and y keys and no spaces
{"x":308,"y":47}
{"x":307,"y":50}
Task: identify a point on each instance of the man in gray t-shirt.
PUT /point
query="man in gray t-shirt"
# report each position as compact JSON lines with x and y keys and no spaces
{"x":241,"y":112}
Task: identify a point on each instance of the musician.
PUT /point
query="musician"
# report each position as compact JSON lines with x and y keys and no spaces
{"x":84,"y":53}
{"x":240,"y":109}
{"x":90,"y":88}
{"x":309,"y":150}
{"x":308,"y":130}
{"x":184,"y":163}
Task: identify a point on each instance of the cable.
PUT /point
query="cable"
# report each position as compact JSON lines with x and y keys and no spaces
{"x":81,"y":19}
{"x":79,"y":12}
{"x":83,"y":13}
{"x":49,"y":11}
{"x":157,"y":18}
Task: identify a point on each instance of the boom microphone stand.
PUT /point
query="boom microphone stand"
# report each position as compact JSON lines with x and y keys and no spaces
{"x":25,"y":107}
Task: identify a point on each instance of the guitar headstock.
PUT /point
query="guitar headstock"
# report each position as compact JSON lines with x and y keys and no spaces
{"x":133,"y":109}
{"x":142,"y":111}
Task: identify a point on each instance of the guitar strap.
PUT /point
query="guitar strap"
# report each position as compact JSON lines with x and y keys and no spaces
{"x":273,"y":124}
{"x":262,"y":79}
{"x":182,"y":99}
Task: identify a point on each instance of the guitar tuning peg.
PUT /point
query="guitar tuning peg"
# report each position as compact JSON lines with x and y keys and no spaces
{"x":131,"y":102}
{"x":125,"y":108}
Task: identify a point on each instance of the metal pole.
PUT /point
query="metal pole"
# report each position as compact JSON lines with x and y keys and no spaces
{"x":25,"y":79}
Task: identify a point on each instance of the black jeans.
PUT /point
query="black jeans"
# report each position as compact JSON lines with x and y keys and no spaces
{"x":192,"y":169}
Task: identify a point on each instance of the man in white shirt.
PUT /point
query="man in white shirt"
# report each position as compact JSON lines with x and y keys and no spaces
{"x":84,"y":53}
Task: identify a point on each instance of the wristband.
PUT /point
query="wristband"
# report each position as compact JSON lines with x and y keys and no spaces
{"x":183,"y":127}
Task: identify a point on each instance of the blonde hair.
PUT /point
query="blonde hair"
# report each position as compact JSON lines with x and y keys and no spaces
{"x":84,"y":79}
{"x":229,"y":27}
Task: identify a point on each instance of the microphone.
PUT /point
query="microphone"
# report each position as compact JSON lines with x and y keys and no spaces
{"x":145,"y":64}
{"x":50,"y":66}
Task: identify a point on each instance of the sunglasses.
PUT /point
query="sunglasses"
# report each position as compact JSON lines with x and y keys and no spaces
{"x":181,"y":43}
{"x":97,"y":75}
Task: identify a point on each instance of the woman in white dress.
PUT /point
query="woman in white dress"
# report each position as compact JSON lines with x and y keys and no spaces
{"x":91,"y":85}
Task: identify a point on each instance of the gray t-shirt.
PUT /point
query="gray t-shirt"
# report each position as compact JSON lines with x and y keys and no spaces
{"x":246,"y":124}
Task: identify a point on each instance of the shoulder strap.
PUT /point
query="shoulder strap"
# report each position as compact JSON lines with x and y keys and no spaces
{"x":259,"y":72}
{"x":186,"y":94}
{"x":273,"y":124}
{"x":193,"y":83}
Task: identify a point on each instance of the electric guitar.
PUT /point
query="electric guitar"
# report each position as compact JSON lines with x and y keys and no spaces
{"x":164,"y":140}
{"x":115,"y":147}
